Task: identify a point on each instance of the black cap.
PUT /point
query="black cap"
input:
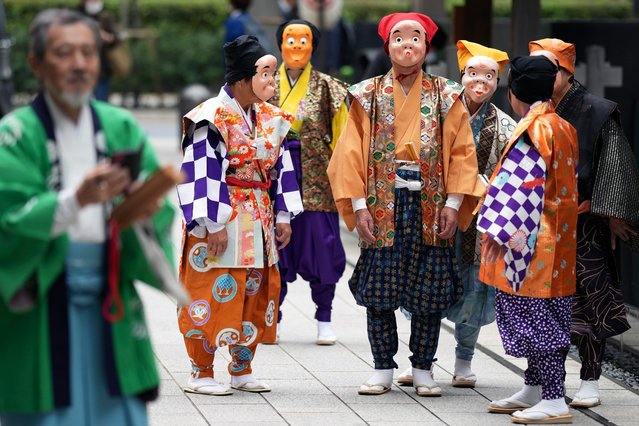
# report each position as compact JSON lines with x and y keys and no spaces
{"x":240,"y":56}
{"x":532,"y":78}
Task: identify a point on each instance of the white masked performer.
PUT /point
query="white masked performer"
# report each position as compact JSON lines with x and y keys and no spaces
{"x":237,"y":202}
{"x":403,"y":167}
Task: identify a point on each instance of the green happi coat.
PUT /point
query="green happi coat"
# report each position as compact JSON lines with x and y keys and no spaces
{"x":27,"y":251}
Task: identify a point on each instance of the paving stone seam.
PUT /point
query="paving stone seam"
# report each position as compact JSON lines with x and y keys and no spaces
{"x":305,"y":315}
{"x":197,"y":409}
{"x":512,"y":367}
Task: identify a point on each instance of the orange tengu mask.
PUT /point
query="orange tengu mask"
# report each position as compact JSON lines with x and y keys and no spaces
{"x":297,"y":45}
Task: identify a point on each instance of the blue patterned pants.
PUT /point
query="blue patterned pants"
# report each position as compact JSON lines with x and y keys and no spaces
{"x":382,"y":335}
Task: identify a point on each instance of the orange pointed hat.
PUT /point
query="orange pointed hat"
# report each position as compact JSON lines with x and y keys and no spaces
{"x":468,"y":49}
{"x":565,"y":52}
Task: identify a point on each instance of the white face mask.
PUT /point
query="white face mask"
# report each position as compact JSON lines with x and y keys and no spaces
{"x":94,"y":7}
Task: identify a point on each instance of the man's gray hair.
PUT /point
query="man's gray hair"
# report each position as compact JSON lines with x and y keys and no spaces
{"x":39,"y":29}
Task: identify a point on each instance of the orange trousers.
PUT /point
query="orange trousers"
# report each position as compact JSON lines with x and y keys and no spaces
{"x":234,"y":307}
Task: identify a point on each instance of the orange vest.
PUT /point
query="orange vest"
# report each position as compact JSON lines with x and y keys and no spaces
{"x":552,"y":269}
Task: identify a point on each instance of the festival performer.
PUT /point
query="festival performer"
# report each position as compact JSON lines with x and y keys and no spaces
{"x":529,"y":219}
{"x":234,"y":153}
{"x":317,"y":101}
{"x":608,"y":183}
{"x":480,"y":69}
{"x":400,"y":172}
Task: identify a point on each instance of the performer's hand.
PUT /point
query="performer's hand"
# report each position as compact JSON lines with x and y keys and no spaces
{"x":102,"y":183}
{"x":365,"y":225}
{"x":584,"y":207}
{"x":283,"y":234}
{"x":216,"y":243}
{"x":447,"y":222}
{"x":493,"y":251}
{"x":621,"y":229}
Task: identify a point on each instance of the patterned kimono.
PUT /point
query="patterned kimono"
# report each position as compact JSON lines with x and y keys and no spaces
{"x":409,"y":265}
{"x":609,"y":178}
{"x":531,"y":209}
{"x":551,"y":271}
{"x":492,"y":129}
{"x":67,"y":363}
{"x":315,"y":251}
{"x":238,"y":177}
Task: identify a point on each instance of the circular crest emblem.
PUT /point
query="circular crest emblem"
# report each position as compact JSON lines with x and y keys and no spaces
{"x":242,"y":357}
{"x":227,"y":336}
{"x":269,"y":316}
{"x":225,"y":288}
{"x":253,"y":282}
{"x":195,"y":334}
{"x":207,"y":347}
{"x":249,"y":333}
{"x":198,"y":258}
{"x":200,"y":312}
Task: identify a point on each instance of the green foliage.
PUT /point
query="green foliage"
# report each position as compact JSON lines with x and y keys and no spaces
{"x":181,"y":43}
{"x":552,"y":9}
{"x":372,"y":10}
{"x":565,"y":9}
{"x":188,"y":35}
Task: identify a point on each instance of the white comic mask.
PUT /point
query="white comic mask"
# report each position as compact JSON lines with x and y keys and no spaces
{"x":480,"y":78}
{"x":407,"y":44}
{"x":263,"y":82}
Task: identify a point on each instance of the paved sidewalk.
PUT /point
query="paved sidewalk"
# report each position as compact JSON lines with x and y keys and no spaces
{"x":318,"y":384}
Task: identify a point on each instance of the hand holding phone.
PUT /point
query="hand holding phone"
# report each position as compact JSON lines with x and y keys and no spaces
{"x":128,"y":159}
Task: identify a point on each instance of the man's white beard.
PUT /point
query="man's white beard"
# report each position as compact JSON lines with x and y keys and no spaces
{"x":75,"y":100}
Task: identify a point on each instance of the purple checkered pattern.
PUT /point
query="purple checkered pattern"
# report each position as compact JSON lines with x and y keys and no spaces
{"x":204,"y":195}
{"x":511,"y":213}
{"x":287,"y":193}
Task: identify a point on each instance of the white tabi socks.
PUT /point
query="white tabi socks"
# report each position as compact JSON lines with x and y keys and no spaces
{"x":325,"y":334}
{"x":588,"y":395}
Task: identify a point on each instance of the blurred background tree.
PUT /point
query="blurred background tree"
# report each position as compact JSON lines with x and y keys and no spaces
{"x":177,"y":43}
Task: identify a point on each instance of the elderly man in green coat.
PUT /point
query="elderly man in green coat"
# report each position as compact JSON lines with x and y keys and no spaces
{"x":75,"y":345}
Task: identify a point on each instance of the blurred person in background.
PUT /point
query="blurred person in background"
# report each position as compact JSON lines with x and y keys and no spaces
{"x":80,"y":352}
{"x":241,"y":22}
{"x":109,"y":37}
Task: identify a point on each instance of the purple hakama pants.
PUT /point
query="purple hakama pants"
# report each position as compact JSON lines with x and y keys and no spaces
{"x":315,"y":251}
{"x":539,"y":330}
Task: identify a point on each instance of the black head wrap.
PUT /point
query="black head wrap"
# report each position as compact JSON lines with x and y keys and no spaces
{"x":240,"y":56}
{"x":532,"y":78}
{"x":314,"y":31}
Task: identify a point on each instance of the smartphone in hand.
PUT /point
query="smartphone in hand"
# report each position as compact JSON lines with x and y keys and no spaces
{"x":129,"y":159}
